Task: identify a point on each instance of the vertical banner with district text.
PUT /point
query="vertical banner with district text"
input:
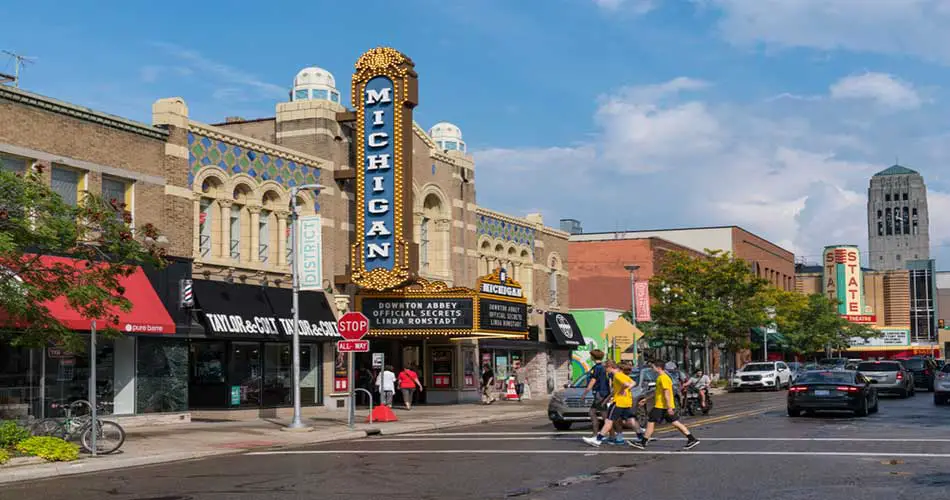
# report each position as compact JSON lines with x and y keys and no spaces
{"x":310,"y":252}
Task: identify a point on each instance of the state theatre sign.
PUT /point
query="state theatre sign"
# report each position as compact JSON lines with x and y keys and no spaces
{"x":384,"y":91}
{"x":843,"y":282}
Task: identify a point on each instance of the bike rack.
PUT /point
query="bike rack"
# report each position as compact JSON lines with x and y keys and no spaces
{"x":370,"y":395}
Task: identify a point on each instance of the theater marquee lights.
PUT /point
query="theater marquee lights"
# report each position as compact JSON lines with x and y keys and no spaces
{"x":384,"y":92}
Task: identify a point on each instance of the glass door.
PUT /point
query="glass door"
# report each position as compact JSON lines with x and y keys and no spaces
{"x":277,"y":380}
{"x":244,"y":374}
{"x":207,"y":384}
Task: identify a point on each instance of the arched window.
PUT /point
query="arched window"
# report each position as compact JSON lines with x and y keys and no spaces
{"x":238,"y":229}
{"x":434,"y":237}
{"x":526,"y":276}
{"x":555,"y":266}
{"x":266,"y":228}
{"x":484,"y":258}
{"x":209,"y":220}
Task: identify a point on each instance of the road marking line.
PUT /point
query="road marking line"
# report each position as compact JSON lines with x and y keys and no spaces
{"x":555,"y":437}
{"x":600,"y":452}
{"x":664,"y":429}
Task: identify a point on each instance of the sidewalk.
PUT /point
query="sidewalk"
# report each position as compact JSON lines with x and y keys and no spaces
{"x":169,"y":443}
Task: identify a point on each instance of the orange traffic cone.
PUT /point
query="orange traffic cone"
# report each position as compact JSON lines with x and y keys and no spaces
{"x":382,"y":413}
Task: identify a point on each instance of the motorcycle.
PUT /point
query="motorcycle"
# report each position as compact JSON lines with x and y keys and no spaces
{"x":693,"y":406}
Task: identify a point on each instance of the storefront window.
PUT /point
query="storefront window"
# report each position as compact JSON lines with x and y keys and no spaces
{"x":67,"y":377}
{"x":161,"y":376}
{"x":442,"y":368}
{"x":19,"y":382}
{"x":277,"y":380}
{"x":244,"y":373}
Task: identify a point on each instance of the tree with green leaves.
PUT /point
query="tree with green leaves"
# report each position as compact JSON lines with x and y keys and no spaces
{"x":98,"y":233}
{"x":716,"y":298}
{"x":811,"y":323}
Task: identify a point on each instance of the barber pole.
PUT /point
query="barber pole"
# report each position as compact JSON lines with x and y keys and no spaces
{"x":187,"y":295}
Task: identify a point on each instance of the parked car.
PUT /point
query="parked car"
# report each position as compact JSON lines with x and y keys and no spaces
{"x":832,"y":390}
{"x":773,"y":375}
{"x":924,"y":370}
{"x":852,"y":364}
{"x":832,"y":363}
{"x":888,"y":376}
{"x":942,"y":386}
{"x":566,"y":407}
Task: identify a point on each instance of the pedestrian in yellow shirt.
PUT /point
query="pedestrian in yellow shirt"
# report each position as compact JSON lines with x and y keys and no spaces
{"x":664,"y":408}
{"x":619,"y":409}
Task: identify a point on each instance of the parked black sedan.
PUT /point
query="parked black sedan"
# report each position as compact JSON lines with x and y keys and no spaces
{"x":821,"y":390}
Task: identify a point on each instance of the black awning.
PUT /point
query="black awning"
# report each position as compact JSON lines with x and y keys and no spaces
{"x":259,"y":312}
{"x":563,"y":329}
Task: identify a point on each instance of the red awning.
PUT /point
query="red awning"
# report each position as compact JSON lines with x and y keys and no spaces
{"x":148,"y":314}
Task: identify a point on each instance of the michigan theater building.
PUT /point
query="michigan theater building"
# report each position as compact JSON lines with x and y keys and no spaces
{"x":393,"y":230}
{"x":386,"y":222}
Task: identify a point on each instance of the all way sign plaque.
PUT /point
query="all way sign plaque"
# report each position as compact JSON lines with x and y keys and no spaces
{"x":352,"y":346}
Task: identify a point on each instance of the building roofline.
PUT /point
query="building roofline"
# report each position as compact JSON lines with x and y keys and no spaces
{"x":696,"y":228}
{"x":251,"y":120}
{"x":50,"y":104}
{"x":480,"y":210}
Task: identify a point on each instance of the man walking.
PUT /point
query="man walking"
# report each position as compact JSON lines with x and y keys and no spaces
{"x":620,"y":411}
{"x":599,"y":384}
{"x":519,"y":380}
{"x":488,"y":383}
{"x":664,"y":408}
{"x":386,"y":383}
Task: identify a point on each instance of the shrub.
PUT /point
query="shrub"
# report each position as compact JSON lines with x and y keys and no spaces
{"x":12,"y":433}
{"x":4,"y":456}
{"x":52,"y":449}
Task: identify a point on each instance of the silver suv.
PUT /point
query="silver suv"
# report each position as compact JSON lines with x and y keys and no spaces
{"x":888,"y":377}
{"x":566,"y":406}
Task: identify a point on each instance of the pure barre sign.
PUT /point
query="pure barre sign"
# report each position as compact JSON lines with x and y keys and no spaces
{"x":384,"y":88}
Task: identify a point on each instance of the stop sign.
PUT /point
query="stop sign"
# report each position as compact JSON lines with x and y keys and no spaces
{"x":353,"y":325}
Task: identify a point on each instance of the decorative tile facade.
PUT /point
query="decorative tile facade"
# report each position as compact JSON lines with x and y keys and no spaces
{"x":505,"y":231}
{"x":204,"y":151}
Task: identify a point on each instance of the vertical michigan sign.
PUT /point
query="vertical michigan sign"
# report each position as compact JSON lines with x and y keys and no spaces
{"x":844,"y":281}
{"x":384,"y":92}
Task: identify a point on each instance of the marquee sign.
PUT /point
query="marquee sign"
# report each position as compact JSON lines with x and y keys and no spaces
{"x":434,"y":308}
{"x":384,"y":91}
{"x":843,"y":281}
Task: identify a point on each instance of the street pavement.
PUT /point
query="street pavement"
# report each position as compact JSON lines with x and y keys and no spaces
{"x":750,"y":450}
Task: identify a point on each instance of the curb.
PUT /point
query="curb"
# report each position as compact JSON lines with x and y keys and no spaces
{"x":89,"y":465}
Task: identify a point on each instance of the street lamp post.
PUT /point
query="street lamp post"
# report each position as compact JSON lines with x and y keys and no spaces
{"x":296,"y":423}
{"x":633,"y":307}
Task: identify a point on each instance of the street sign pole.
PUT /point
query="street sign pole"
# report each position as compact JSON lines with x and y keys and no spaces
{"x":92,"y":384}
{"x":351,"y":418}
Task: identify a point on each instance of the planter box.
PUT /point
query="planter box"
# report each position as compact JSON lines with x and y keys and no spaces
{"x":14,"y":411}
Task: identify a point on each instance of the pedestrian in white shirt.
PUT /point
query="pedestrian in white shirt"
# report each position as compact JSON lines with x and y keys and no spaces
{"x":386,"y":385}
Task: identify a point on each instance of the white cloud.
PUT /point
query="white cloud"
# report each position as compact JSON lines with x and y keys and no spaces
{"x":223,"y":74}
{"x":906,"y":27}
{"x":635,"y":6}
{"x":882,"y":88}
{"x":666,"y":155}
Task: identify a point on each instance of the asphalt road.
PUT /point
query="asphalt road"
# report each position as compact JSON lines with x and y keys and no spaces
{"x":750,"y":450}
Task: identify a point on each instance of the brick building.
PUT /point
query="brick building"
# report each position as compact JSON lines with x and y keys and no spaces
{"x":599,"y":279}
{"x":597,"y":273}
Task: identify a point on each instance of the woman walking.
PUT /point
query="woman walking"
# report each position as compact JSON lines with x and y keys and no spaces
{"x":408,"y":381}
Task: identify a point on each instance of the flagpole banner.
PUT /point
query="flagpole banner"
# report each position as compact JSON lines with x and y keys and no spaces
{"x":642,"y":289}
{"x":309,"y":259}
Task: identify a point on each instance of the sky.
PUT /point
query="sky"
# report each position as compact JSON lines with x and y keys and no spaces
{"x":625,"y":114}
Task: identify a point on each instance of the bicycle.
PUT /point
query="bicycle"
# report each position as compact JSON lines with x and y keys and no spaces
{"x":109,"y":435}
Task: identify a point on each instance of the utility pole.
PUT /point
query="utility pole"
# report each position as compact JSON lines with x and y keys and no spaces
{"x":18,"y":62}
